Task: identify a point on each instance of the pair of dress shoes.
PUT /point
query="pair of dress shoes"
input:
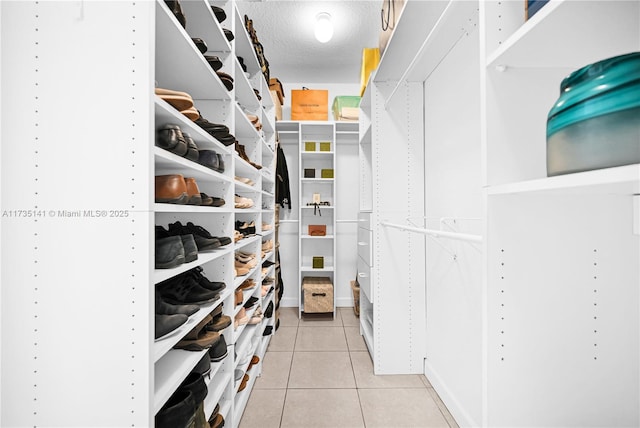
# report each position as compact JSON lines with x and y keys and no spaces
{"x":177,"y":189}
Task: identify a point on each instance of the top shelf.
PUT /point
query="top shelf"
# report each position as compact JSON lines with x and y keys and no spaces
{"x":589,"y":38}
{"x":426,"y":31}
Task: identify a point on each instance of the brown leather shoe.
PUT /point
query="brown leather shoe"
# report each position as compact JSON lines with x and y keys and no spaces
{"x":238,"y":297}
{"x":192,"y":190}
{"x":171,"y":189}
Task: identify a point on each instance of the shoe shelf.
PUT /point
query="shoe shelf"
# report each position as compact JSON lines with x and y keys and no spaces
{"x":170,"y":371}
{"x":180,"y":65}
{"x":163,"y":346}
{"x":160,"y":275}
{"x":244,"y":242}
{"x":170,"y":163}
{"x":217,"y":386}
{"x":175,"y":208}
{"x":244,"y":167}
{"x":166,"y":114}
{"x":246,"y":295}
{"x":269,"y":272}
{"x":202,"y":23}
{"x":244,"y":48}
{"x":242,"y":397}
{"x":244,"y":187}
{"x":244,"y":128}
{"x":245,"y":95}
{"x":245,"y":346}
{"x":267,"y":178}
{"x":243,"y":331}
{"x":240,"y":279}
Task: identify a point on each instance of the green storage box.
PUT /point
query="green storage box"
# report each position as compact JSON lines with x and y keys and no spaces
{"x":346,"y":108}
{"x":326,"y":173}
{"x":309,"y":146}
{"x":325,"y":146}
{"x":318,"y":262}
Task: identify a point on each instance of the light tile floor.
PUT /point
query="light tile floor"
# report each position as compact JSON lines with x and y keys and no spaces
{"x":318,"y":373}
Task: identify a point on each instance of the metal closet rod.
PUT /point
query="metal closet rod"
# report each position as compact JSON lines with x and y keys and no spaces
{"x":435,"y":233}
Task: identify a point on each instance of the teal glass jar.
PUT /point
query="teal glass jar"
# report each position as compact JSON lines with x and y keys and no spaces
{"x":595,"y":123}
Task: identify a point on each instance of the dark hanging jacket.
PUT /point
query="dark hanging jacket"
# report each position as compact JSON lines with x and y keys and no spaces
{"x":283,"y":192}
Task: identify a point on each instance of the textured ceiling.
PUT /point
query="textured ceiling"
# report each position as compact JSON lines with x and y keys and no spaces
{"x":285,"y":29}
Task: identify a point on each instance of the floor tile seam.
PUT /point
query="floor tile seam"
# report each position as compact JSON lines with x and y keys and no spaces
{"x":324,"y":387}
{"x":431,"y":394}
{"x":388,"y":388}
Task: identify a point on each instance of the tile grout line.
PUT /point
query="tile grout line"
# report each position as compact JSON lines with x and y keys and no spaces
{"x":286,"y":391}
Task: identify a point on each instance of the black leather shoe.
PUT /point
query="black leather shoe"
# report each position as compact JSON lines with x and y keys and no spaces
{"x":169,"y":252}
{"x":207,"y":200}
{"x":166,"y":324}
{"x":184,"y":290}
{"x":242,"y":65}
{"x":214,"y":62}
{"x":164,"y":308}
{"x":219,"y":351}
{"x":188,"y":243}
{"x":200,"y":44}
{"x":226,"y":79}
{"x":203,"y":281}
{"x":228,"y":34}
{"x":179,"y":411}
{"x":219,"y":13}
{"x":170,"y":138}
{"x":194,"y":383}
{"x":176,"y":9}
{"x":190,"y":248}
{"x":192,"y":149}
{"x":203,"y":238}
{"x":209,"y":158}
{"x":268,"y":313}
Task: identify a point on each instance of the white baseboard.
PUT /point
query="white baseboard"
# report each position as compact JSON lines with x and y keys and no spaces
{"x":453,"y":405}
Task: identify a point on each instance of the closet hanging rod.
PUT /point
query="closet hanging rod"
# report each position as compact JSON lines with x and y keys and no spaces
{"x":347,"y":221}
{"x":436,"y":233}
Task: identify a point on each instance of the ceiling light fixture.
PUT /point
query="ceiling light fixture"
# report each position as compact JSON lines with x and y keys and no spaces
{"x":324,"y":28}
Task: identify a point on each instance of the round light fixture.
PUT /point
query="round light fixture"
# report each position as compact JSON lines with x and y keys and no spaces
{"x":324,"y":28}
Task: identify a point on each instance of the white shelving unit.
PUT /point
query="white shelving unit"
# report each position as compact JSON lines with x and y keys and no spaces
{"x":339,"y":216}
{"x":321,"y":156}
{"x":532,"y":311}
{"x":89,"y":301}
{"x":563,"y":244}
